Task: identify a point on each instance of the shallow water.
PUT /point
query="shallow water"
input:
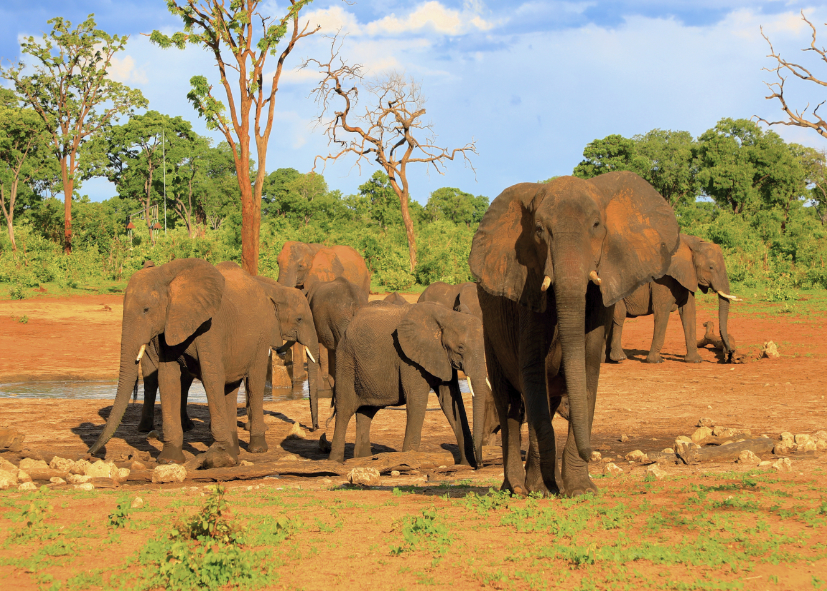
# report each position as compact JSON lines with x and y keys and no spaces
{"x":105,"y":390}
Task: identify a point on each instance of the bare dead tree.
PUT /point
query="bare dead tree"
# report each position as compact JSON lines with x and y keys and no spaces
{"x":796,"y":118}
{"x":390,"y":130}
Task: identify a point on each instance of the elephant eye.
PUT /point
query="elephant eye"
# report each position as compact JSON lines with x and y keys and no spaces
{"x":596,"y":223}
{"x":146,"y":310}
{"x":539,"y":229}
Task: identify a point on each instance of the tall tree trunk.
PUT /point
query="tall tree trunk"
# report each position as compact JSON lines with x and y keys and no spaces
{"x":250,"y":223}
{"x":68,"y":190}
{"x":9,"y":213}
{"x":409,"y":228}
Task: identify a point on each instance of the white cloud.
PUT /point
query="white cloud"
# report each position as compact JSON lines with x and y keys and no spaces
{"x":434,"y":16}
{"x":334,"y":19}
{"x":123,"y":70}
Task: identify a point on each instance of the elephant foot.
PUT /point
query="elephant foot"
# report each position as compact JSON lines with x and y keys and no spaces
{"x":258,"y":444}
{"x":146,"y":425}
{"x":187,"y":424}
{"x":362,"y":451}
{"x":220,"y":455}
{"x":577,"y":482}
{"x":171,"y":454}
{"x":617,"y":357}
{"x":693,"y":358}
{"x":515,"y":489}
{"x":654,"y":358}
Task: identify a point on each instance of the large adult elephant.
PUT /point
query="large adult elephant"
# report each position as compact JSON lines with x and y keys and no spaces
{"x":333,"y":305}
{"x":393,"y":355}
{"x":215,"y":323}
{"x":696,"y":264}
{"x":552,"y":260}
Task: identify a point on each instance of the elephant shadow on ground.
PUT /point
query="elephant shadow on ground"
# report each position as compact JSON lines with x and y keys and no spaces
{"x":640,"y":355}
{"x":309,"y":449}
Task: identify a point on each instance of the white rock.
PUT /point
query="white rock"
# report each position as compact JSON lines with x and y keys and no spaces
{"x":656,"y":471}
{"x":788,"y":437}
{"x":80,"y":467}
{"x":123,"y":473}
{"x":7,"y":466}
{"x":821,"y":445}
{"x":682,"y":439}
{"x":765,"y":464}
{"x":806,"y":446}
{"x":78,"y":478}
{"x":667,"y":450}
{"x":61,"y":464}
{"x":624,"y":438}
{"x":23,"y":476}
{"x":245,"y":463}
{"x":30,"y":465}
{"x":705,"y":422}
{"x":28,"y":485}
{"x":700,"y":434}
{"x":137,"y":503}
{"x":612,"y":469}
{"x":596,"y":456}
{"x":748,"y":457}
{"x":820,"y":436}
{"x":394,"y":473}
{"x":289,"y":458}
{"x":7,"y":480}
{"x":364,"y":476}
{"x":783,"y":465}
{"x":637,"y":456}
{"x":101,"y":469}
{"x":783,"y":448}
{"x":87,"y":486}
{"x":296,"y":432}
{"x":169,"y":473}
{"x":801,"y":438}
{"x":770,"y":350}
{"x":57,"y":480}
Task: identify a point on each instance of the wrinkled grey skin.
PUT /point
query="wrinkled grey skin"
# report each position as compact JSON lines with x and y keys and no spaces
{"x":697,"y":264}
{"x":393,"y":355}
{"x":214,"y":322}
{"x":545,"y":338}
{"x":333,"y":304}
{"x":295,"y":260}
{"x":397,"y":299}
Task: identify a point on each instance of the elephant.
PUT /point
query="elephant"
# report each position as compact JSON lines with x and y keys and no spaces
{"x":333,"y":305}
{"x":397,"y":299}
{"x":302,"y":265}
{"x":214,"y":322}
{"x":393,"y":355}
{"x":696,"y":264}
{"x":552,"y":259}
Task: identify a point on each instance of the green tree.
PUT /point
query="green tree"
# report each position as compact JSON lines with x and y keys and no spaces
{"x":668,"y":164}
{"x":220,"y":196}
{"x":449,"y":203}
{"x":72,"y":93}
{"x":187,"y":161}
{"x":612,"y":153}
{"x":745,"y":168}
{"x":230,"y":31}
{"x":25,"y":155}
{"x":814,"y":163}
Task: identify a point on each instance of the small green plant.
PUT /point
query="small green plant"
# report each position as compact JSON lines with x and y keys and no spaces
{"x":118,"y":518}
{"x":16,"y":292}
{"x":426,"y":530}
{"x":495,"y":499}
{"x":34,"y":519}
{"x":24,"y":320}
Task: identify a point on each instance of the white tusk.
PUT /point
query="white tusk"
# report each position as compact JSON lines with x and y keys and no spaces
{"x":470,"y":387}
{"x":309,"y":354}
{"x":729,"y":297}
{"x":489,"y":384}
{"x":595,"y":279}
{"x":140,"y":353}
{"x":546,"y":283}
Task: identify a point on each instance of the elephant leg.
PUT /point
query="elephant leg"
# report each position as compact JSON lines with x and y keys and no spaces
{"x":231,"y":402}
{"x":662,"y":302}
{"x":492,"y":422}
{"x":509,"y":406}
{"x":255,"y":404}
{"x":364,"y":417}
{"x":299,"y":375}
{"x":324,"y":366}
{"x":616,"y":333}
{"x":222,"y":452}
{"x":535,"y":479}
{"x":169,"y":383}
{"x":147,"y":423}
{"x":186,"y":383}
{"x":687,"y":312}
{"x":450,"y":400}
{"x":345,"y":403}
{"x":416,"y":404}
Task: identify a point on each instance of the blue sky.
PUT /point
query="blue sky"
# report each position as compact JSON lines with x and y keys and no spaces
{"x":531,"y":82}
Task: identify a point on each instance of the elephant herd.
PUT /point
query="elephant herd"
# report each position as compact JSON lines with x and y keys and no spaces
{"x":558,"y":268}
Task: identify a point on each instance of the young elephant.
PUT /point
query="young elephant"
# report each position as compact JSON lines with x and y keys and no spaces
{"x":393,"y":355}
{"x":696,"y":264}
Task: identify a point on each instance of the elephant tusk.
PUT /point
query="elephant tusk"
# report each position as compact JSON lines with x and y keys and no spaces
{"x":546,"y":283}
{"x":489,"y":384}
{"x":309,"y":354}
{"x":140,"y":353}
{"x":729,"y":297}
{"x":595,"y":279}
{"x":470,"y":387}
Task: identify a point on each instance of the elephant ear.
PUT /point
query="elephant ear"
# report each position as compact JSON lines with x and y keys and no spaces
{"x":504,"y":256}
{"x":642,"y":234}
{"x":420,"y":336}
{"x":682,"y":267}
{"x":326,"y":267}
{"x":195,"y":291}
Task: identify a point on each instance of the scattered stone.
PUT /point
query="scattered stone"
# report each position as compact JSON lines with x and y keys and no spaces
{"x":324,"y":444}
{"x":596,"y":456}
{"x":57,"y":480}
{"x":61,"y":464}
{"x":296,"y":432}
{"x":80,"y":467}
{"x":705,"y":422}
{"x":783,"y":448}
{"x":30,"y":465}
{"x":636,"y":456}
{"x":78,"y":478}
{"x":807,"y":446}
{"x":624,"y":438}
{"x":101,"y":469}
{"x":123,"y":474}
{"x":748,"y":457}
{"x":802,"y":438}
{"x":770,"y":351}
{"x":289,"y":458}
{"x":667,"y":450}
{"x":23,"y":476}
{"x":730,"y":432}
{"x":27,"y":486}
{"x":787,"y":437}
{"x":783,"y":465}
{"x":245,"y":463}
{"x":820,"y":436}
{"x":7,"y":466}
{"x":765,"y":464}
{"x":7,"y":479}
{"x":11,"y":439}
{"x":87,"y":486}
{"x":364,"y":476}
{"x":394,"y":473}
{"x":153,"y":435}
{"x":612,"y":469}
{"x":136,"y":465}
{"x":169,"y":473}
{"x":137,"y":503}
{"x":700,"y":434}
{"x":656,"y":471}
{"x":141,"y":456}
{"x":821,"y":445}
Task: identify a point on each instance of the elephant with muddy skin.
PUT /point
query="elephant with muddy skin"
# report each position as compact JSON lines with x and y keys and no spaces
{"x":215,"y":323}
{"x":552,"y":259}
{"x":393,"y":355}
{"x":696,"y":264}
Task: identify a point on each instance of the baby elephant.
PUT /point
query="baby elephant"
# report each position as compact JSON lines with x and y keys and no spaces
{"x":393,"y":355}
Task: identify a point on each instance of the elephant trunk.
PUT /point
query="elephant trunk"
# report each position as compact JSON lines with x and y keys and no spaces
{"x":127,"y":379}
{"x":287,"y":278}
{"x":481,"y":392}
{"x":308,"y":338}
{"x":723,"y":317}
{"x":571,"y":313}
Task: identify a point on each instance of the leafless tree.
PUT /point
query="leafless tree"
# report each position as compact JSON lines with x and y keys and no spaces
{"x":390,"y":129}
{"x":796,"y":118}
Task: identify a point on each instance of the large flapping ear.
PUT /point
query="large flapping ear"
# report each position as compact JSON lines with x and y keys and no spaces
{"x":504,"y":254}
{"x":195,"y":291}
{"x":682,"y":267}
{"x":641,"y":234}
{"x":420,"y":336}
{"x":325,"y":267}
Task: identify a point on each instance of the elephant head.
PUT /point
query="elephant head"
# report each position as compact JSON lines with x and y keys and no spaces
{"x":440,"y":341}
{"x":295,"y":260}
{"x":468,"y":301}
{"x":700,"y":264}
{"x":541,"y":243}
{"x":176,"y":300}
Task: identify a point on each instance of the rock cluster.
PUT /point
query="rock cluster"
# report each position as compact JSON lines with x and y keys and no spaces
{"x":800,"y":443}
